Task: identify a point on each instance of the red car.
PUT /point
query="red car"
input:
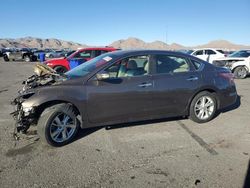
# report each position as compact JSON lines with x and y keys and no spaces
{"x":62,"y":65}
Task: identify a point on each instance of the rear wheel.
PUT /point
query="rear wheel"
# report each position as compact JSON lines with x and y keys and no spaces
{"x":240,"y":72}
{"x":27,"y":58}
{"x":5,"y":58}
{"x":203,"y":107}
{"x":58,"y":125}
{"x":60,"y":69}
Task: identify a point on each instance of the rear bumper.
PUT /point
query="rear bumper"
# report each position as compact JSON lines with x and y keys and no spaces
{"x":227,"y":99}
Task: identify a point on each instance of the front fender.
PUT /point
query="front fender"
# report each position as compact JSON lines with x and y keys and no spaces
{"x":75,"y":95}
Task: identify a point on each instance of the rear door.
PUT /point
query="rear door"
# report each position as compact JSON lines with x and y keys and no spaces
{"x":211,"y":55}
{"x":201,"y":54}
{"x":175,"y":82}
{"x":125,"y":96}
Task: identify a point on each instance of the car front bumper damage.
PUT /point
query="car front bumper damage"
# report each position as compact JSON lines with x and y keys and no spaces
{"x":23,"y":116}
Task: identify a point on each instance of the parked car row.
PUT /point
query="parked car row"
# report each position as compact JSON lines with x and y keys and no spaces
{"x":24,"y":54}
{"x":32,"y":54}
{"x":60,"y":60}
{"x":237,"y":61}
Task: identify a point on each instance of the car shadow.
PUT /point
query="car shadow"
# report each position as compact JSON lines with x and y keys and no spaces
{"x":247,"y":178}
{"x":145,"y":122}
{"x":85,"y":132}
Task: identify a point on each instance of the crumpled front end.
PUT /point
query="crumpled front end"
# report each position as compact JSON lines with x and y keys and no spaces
{"x":25,"y":115}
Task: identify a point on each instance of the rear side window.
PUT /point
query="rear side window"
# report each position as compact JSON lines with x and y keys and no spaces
{"x":83,"y":54}
{"x":129,"y":67}
{"x":199,"y":52}
{"x":170,"y":64}
{"x":209,"y":52}
{"x":221,"y":51}
{"x":196,"y":64}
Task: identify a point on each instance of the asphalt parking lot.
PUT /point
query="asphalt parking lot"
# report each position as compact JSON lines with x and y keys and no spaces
{"x":164,"y":153}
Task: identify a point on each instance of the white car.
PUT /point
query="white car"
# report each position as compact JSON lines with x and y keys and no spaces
{"x":238,"y":62}
{"x":208,"y":54}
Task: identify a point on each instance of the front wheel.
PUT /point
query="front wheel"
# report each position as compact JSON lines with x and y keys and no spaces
{"x":203,"y":107}
{"x":240,"y":72}
{"x":26,"y":58}
{"x":58,"y":125}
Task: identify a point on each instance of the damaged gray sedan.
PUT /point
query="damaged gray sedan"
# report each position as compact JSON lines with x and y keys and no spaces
{"x":119,"y":87}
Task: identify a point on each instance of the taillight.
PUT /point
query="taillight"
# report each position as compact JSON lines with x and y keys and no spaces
{"x":228,"y":76}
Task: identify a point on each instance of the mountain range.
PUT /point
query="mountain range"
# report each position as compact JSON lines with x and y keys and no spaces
{"x":130,"y":43}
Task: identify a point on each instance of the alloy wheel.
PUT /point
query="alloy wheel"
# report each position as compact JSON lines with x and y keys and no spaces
{"x":204,"y":107}
{"x":62,"y":128}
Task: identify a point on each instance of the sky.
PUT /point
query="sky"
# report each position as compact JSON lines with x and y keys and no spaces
{"x":100,"y":22}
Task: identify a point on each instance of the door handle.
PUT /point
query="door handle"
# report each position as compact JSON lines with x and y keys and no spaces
{"x":145,"y":85}
{"x":192,"y":78}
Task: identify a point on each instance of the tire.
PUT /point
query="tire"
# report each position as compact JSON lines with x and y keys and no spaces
{"x":6,"y":58}
{"x":240,"y":72}
{"x":26,"y":58}
{"x":60,"y":69}
{"x":203,"y":107}
{"x":51,"y":56}
{"x":58,"y":125}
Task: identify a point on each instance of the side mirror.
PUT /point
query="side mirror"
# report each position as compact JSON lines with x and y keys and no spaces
{"x":102,"y":76}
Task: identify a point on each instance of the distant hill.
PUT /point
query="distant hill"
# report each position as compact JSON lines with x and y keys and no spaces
{"x":137,"y":43}
{"x":130,"y":43}
{"x":38,"y":43}
{"x":223,"y":44}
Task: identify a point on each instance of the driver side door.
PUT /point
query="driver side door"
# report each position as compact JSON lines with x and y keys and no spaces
{"x":124,"y":96}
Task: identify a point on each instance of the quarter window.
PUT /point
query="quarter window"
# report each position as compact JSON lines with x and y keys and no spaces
{"x":196,"y":64}
{"x":170,"y":64}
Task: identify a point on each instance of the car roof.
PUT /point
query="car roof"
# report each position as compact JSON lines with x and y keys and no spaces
{"x":98,"y":48}
{"x":146,"y":51}
{"x":207,"y":49}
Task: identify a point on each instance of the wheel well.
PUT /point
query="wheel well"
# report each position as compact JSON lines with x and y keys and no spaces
{"x":25,"y":55}
{"x":241,"y":66}
{"x":60,"y":66}
{"x":43,"y":106}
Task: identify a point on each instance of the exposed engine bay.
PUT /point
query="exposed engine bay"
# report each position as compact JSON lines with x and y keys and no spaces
{"x":226,"y":63}
{"x":44,"y":76}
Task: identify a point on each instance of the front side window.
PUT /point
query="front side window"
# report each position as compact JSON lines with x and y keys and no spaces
{"x":129,"y":67}
{"x":170,"y":64}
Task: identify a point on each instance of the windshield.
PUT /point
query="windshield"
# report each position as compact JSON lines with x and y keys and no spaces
{"x":89,"y":66}
{"x":242,"y":53}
